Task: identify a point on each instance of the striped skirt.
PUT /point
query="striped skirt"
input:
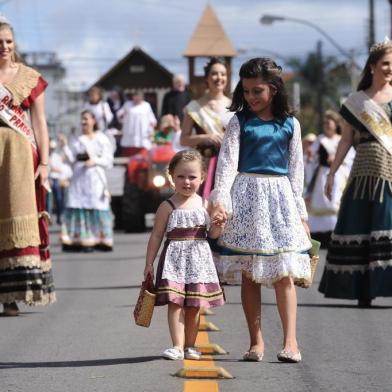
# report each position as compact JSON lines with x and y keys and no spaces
{"x":198,"y":294}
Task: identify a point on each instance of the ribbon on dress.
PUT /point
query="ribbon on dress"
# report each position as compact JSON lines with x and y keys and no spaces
{"x":372,"y":116}
{"x":14,"y":116}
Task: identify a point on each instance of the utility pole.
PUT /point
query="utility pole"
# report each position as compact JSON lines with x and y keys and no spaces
{"x":320,"y":84}
{"x":371,"y":37}
{"x":390,"y":17}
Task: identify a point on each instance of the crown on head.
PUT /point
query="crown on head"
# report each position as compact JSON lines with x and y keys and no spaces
{"x":387,"y":43}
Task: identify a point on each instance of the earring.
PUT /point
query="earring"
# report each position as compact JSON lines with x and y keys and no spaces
{"x":371,"y":71}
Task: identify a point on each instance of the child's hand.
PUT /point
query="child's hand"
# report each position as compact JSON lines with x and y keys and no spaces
{"x":219,"y":220}
{"x":149,"y":270}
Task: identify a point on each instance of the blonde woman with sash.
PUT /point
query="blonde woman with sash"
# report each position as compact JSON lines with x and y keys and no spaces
{"x":25,"y":266}
{"x":206,"y":118}
{"x":359,"y":259}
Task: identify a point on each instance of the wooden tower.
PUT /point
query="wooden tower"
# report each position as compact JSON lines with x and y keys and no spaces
{"x":208,"y":40}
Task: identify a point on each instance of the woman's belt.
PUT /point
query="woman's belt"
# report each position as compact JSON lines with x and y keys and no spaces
{"x":185,"y":234}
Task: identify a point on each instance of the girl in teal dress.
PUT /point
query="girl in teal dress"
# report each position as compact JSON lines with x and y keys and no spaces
{"x":259,"y":185}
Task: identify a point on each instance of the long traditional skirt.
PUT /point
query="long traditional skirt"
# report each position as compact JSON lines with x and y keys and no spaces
{"x":25,"y":265}
{"x":359,"y":259}
{"x":87,"y":228}
{"x":185,"y":291}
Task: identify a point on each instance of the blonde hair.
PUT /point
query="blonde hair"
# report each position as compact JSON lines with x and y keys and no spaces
{"x":16,"y":58}
{"x":184,"y":156}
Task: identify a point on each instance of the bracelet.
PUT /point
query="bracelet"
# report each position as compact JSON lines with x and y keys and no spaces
{"x":43,"y":164}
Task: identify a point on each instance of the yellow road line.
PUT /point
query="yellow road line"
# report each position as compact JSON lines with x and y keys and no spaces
{"x":201,"y":386}
{"x":207,"y":361}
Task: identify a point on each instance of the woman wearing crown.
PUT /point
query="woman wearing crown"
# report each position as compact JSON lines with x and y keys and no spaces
{"x":359,"y":259}
{"x":25,"y":267}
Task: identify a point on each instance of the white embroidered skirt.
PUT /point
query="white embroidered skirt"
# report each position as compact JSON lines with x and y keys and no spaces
{"x":264,"y":238}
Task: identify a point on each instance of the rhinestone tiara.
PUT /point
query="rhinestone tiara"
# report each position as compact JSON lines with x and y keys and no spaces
{"x":386,"y":43}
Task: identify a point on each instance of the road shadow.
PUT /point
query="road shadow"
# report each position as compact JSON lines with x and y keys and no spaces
{"x":97,"y":288}
{"x":308,"y":305}
{"x":71,"y":364}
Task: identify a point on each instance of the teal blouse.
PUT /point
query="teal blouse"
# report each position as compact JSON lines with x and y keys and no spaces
{"x":264,"y":145}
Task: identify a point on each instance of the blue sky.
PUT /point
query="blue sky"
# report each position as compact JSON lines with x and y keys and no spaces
{"x":90,"y":36}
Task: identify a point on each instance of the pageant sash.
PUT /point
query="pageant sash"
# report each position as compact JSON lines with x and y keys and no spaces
{"x":372,"y":116}
{"x":205,"y":118}
{"x":13,"y":116}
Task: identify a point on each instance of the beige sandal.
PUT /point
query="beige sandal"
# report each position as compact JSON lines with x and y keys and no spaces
{"x":253,"y":356}
{"x":289,"y":356}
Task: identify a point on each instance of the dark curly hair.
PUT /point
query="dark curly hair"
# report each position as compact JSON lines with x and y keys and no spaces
{"x":267,"y":70}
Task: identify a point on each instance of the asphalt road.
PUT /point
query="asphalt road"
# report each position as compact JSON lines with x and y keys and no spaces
{"x":88,"y":342}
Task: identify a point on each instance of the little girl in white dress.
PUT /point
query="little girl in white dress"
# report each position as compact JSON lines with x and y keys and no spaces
{"x":186,"y":275}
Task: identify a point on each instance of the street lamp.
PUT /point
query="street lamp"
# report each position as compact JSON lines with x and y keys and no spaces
{"x":269,"y":19}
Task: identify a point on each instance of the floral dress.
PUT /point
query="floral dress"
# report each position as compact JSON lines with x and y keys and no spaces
{"x":259,"y":180}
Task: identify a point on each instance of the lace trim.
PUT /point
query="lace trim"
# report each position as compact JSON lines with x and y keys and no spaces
{"x":384,"y":264}
{"x":19,"y":232}
{"x":28,"y":297}
{"x":186,"y":218}
{"x":374,"y":235}
{"x":262,"y":252}
{"x":25,"y":81}
{"x":266,"y":270}
{"x":25,"y":261}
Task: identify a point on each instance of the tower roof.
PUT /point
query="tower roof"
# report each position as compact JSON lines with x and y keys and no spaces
{"x":209,"y":38}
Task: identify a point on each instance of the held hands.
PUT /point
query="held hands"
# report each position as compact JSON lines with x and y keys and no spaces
{"x":329,"y":186}
{"x":218,"y":215}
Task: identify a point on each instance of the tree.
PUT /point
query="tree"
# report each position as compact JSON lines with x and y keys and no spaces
{"x":319,"y":75}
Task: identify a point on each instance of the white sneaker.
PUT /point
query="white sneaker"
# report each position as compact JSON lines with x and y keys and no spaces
{"x":192,"y":353}
{"x":173,"y":353}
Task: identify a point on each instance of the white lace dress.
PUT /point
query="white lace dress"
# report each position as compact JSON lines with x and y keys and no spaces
{"x":186,"y":273}
{"x":264,"y":236}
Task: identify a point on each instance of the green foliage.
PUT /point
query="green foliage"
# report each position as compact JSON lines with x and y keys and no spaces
{"x":328,"y":76}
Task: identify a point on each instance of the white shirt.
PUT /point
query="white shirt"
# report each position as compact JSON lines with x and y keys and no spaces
{"x":138,"y":125}
{"x":103,"y":114}
{"x":88,"y":188}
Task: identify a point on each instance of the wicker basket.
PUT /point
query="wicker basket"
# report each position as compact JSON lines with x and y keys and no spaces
{"x":314,"y":259}
{"x":306,"y":283}
{"x":144,"y":307}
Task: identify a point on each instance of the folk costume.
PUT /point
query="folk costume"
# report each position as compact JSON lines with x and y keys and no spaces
{"x":186,"y":273}
{"x":208,"y":122}
{"x":25,"y":264}
{"x":322,"y":211}
{"x":359,"y":259}
{"x":259,"y":181}
{"x":88,"y":219}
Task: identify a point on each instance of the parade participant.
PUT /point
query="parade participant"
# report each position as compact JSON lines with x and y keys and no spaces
{"x":208,"y":117}
{"x":258,"y":185}
{"x":168,"y":127}
{"x":99,"y":108}
{"x":322,"y":211}
{"x":25,"y":265}
{"x":87,"y":219}
{"x":186,"y":274}
{"x":176,"y":99}
{"x":310,"y":163}
{"x":359,"y":259}
{"x":139,"y":122}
